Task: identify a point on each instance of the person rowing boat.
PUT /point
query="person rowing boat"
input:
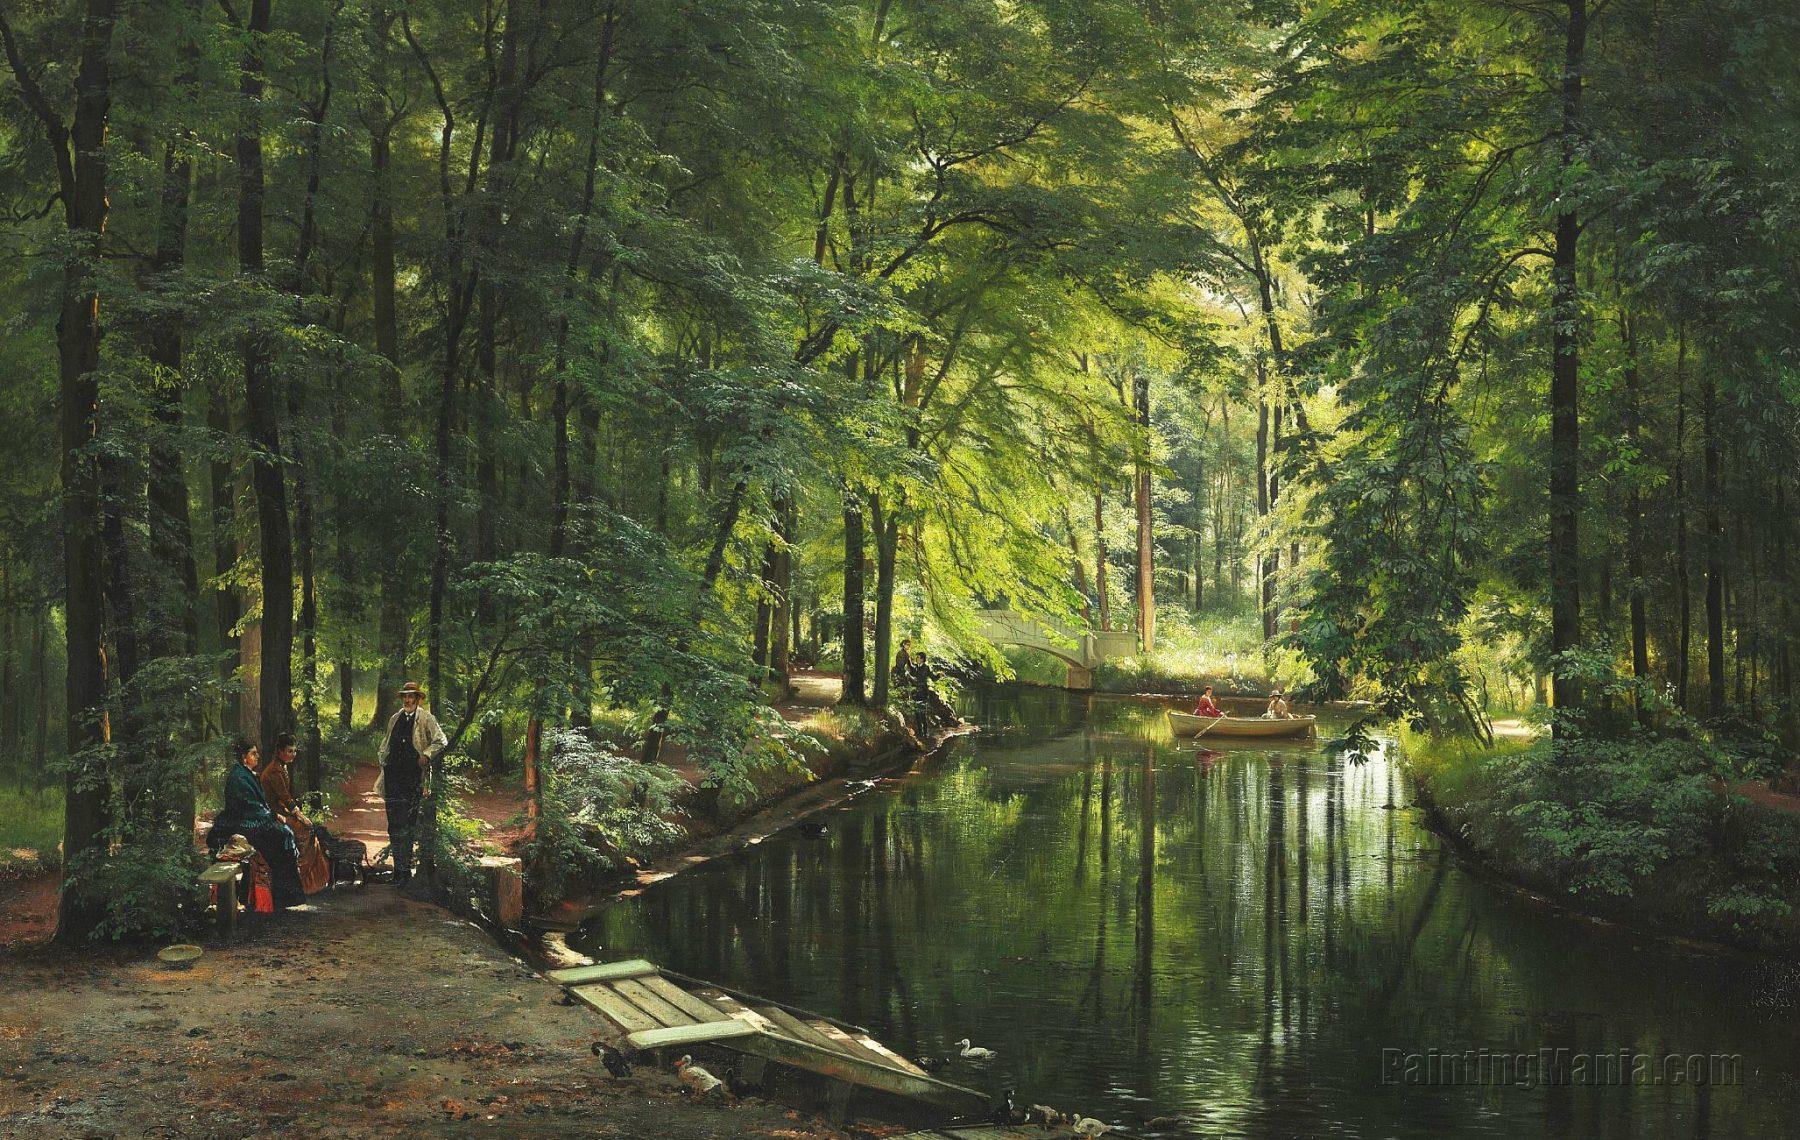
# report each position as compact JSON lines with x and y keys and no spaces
{"x":1206,"y":706}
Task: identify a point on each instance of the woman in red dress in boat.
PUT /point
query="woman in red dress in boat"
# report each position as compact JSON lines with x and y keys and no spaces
{"x":1205,"y":705}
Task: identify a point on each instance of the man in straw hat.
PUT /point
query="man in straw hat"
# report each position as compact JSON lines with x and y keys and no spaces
{"x":413,"y":737}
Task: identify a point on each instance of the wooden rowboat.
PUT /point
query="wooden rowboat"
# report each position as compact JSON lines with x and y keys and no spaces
{"x":1187,"y":724}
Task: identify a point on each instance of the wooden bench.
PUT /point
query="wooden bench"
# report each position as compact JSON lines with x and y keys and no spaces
{"x":223,"y":878}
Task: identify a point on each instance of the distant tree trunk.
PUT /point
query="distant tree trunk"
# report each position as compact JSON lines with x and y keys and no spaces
{"x":1146,"y":567}
{"x":781,"y":636}
{"x":1564,"y":561}
{"x":1715,"y":546}
{"x":40,"y":670}
{"x":1683,"y":588}
{"x":854,"y":664}
{"x":80,"y":152}
{"x":171,"y":529}
{"x":1100,"y":589}
{"x":1634,"y":518}
{"x":1265,"y":566}
{"x":1080,"y":569}
{"x":312,"y":738}
{"x":887,"y":540}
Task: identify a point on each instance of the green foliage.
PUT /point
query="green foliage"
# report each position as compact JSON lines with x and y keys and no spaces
{"x":597,"y":806}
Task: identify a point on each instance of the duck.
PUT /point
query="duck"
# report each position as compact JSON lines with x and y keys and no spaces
{"x":813,"y":829}
{"x":617,"y":1063}
{"x":934,"y":1064}
{"x":1088,"y":1126}
{"x":696,"y":1080}
{"x":970,"y":1052}
{"x":1005,"y":1110}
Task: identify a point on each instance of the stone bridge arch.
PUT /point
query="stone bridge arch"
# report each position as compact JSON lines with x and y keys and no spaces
{"x":1078,"y":649}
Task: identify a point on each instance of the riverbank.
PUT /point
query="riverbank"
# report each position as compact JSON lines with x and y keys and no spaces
{"x":1688,"y":857}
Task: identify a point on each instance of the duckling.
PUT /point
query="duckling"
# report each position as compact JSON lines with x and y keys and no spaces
{"x":1088,"y":1126}
{"x":934,"y":1064}
{"x":1046,"y":1117}
{"x":970,"y":1052}
{"x":696,"y":1080}
{"x":617,"y":1063}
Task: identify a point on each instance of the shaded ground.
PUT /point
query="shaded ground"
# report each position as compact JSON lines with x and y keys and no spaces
{"x":370,"y":1016}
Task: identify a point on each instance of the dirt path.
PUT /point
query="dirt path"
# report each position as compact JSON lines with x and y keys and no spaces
{"x":370,"y":1016}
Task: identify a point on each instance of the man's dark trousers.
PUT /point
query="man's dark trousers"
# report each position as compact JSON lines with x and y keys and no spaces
{"x":402,"y":818}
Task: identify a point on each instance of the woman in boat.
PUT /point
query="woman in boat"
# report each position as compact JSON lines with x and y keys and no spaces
{"x":1206,"y":706}
{"x":278,"y":787}
{"x":246,"y":813}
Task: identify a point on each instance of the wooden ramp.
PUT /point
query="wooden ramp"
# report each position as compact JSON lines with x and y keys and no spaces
{"x":659,"y":1009}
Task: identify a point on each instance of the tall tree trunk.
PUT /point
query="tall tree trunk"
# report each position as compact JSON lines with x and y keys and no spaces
{"x":40,"y":670}
{"x":1683,"y":588}
{"x":1565,"y":382}
{"x":80,"y":152}
{"x":1715,"y":546}
{"x":1146,"y":568}
{"x":1265,"y":567}
{"x":781,"y":638}
{"x":887,"y":540}
{"x":1100,"y":594}
{"x":1634,"y":518}
{"x":854,"y":555}
{"x":263,"y":404}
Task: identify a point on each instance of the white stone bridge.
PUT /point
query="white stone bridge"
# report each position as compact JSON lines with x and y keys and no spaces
{"x":1079,"y":649}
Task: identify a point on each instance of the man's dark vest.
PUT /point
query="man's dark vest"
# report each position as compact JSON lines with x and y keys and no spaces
{"x":402,"y":757}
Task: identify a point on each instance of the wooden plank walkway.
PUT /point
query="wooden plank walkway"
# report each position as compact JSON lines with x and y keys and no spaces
{"x":657,"y":1009}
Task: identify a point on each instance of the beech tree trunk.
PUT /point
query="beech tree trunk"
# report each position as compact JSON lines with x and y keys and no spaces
{"x":1715,"y":547}
{"x":1146,"y":568}
{"x":263,"y":405}
{"x":80,"y":151}
{"x":1565,"y":383}
{"x":887,"y":540}
{"x":854,"y":663}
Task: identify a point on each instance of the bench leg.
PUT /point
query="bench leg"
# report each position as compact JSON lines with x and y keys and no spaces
{"x":837,"y":1103}
{"x":750,"y":1069}
{"x":226,"y":895}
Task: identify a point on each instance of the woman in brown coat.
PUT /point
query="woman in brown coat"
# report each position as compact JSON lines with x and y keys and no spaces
{"x":315,"y":868}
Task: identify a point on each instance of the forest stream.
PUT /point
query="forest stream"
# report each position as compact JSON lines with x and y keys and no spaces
{"x":1250,"y":939}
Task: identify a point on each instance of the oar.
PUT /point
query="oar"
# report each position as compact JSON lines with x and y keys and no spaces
{"x":1214,"y":721}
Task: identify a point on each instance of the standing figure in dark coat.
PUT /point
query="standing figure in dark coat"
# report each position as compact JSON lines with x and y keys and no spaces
{"x":413,"y":738}
{"x":246,"y":813}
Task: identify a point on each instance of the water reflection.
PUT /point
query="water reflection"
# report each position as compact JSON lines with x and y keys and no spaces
{"x":1230,"y":937}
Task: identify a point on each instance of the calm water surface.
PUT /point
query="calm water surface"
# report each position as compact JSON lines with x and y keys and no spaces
{"x":1231,"y":939}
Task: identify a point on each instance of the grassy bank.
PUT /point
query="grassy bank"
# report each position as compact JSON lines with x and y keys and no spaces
{"x":1642,"y":831}
{"x":31,"y":825}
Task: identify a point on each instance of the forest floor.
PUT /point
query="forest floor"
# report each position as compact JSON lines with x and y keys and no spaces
{"x":364,"y":1015}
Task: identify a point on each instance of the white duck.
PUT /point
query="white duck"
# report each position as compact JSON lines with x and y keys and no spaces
{"x":970,"y":1052}
{"x":697,"y":1080}
{"x":1088,"y":1126}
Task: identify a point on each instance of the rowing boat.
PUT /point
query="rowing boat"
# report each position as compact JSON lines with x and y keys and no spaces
{"x":1187,"y":724}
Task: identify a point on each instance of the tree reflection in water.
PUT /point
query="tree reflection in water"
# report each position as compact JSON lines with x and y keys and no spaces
{"x":1286,"y":926}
